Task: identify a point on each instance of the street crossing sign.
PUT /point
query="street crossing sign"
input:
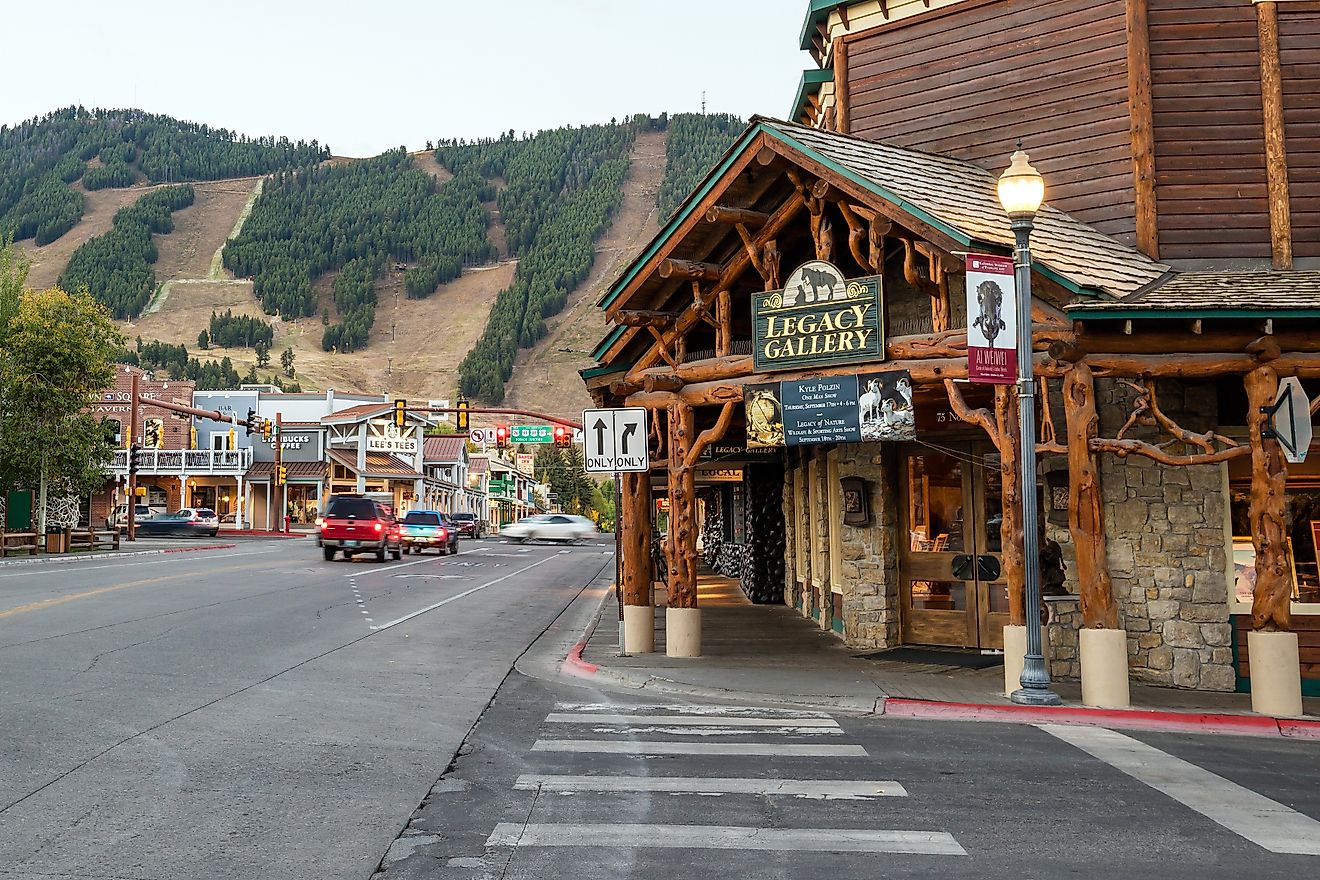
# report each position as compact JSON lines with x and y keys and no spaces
{"x":1290,"y":420}
{"x":616,"y":440}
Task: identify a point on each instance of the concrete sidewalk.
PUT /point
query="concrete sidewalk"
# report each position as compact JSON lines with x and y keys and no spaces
{"x":771,"y":654}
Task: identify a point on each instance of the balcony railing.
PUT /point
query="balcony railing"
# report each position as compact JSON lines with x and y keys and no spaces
{"x":186,"y":461}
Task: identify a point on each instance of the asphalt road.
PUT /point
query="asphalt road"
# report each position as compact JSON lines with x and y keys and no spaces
{"x":565,"y":782}
{"x":252,"y":712}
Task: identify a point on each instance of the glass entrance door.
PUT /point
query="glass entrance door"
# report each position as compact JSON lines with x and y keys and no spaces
{"x":949,"y":561}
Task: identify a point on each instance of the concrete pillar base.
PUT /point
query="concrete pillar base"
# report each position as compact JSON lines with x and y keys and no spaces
{"x":638,"y":629}
{"x":683,"y":632}
{"x":1015,"y":649}
{"x":1104,"y":668}
{"x":1276,"y":679}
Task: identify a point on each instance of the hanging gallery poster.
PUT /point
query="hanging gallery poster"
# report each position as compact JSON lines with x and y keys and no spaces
{"x":834,"y":409}
{"x":818,"y":319}
{"x":991,"y":320}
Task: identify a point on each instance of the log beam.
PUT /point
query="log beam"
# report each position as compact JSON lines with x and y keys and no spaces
{"x":1276,"y":143}
{"x":682,"y":544}
{"x":724,"y":214}
{"x":691,"y":270}
{"x":645,"y":318}
{"x":1271,"y":603}
{"x":1012,"y":544}
{"x":661,"y":382}
{"x":1086,"y":512}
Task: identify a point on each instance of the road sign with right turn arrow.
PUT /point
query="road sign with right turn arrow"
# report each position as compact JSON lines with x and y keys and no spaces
{"x":615,"y":440}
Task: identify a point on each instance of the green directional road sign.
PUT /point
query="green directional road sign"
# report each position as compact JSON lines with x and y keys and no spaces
{"x":531,"y":434}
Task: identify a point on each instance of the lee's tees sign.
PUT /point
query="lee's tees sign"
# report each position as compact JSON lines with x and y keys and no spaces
{"x":818,"y":319}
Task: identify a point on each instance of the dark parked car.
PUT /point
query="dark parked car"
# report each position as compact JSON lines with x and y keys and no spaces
{"x":188,"y":522}
{"x":468,"y":525}
{"x":428,"y":528}
{"x":355,"y":524}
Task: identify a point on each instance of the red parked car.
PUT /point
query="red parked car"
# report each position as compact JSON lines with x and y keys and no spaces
{"x":355,"y":524}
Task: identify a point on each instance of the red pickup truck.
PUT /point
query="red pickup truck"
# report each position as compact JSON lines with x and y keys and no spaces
{"x":355,"y":524}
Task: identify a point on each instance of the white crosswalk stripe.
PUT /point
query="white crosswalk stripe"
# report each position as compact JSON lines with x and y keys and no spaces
{"x":760,"y":735}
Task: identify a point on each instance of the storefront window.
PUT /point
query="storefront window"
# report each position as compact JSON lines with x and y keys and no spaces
{"x":1302,"y":517}
{"x":739,"y":515}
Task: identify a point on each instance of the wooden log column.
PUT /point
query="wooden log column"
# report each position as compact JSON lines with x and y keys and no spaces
{"x":1270,"y":608}
{"x":1276,"y":681}
{"x":635,"y":536}
{"x":1086,"y":517}
{"x":682,"y":619}
{"x":1102,"y":645}
{"x":1011,"y":545}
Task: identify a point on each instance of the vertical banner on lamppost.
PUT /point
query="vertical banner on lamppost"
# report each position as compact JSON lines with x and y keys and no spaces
{"x":991,"y":320}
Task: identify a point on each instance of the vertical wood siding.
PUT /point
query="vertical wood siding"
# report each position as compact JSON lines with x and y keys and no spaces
{"x":1299,"y":58}
{"x":968,"y":81}
{"x":1208,"y":123}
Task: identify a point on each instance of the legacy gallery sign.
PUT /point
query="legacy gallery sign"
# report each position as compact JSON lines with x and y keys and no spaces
{"x":818,"y":319}
{"x":834,"y":409}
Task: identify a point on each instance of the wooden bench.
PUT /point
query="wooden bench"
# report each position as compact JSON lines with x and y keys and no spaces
{"x":16,"y":542}
{"x":94,"y":539}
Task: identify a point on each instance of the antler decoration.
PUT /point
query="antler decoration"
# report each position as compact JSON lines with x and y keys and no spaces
{"x":1146,"y":412}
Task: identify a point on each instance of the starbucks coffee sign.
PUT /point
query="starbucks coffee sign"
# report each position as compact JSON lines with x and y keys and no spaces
{"x":818,"y":319}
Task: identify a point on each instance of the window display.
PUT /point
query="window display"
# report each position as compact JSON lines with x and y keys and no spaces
{"x":1302,"y":514}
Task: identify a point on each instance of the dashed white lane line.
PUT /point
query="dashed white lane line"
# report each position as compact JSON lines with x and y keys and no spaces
{"x":631,"y":836}
{"x":1266,"y":823}
{"x":813,"y":789}
{"x":643,"y":747}
{"x":458,"y":596}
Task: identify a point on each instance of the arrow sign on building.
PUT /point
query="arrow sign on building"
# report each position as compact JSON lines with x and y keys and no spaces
{"x":615,"y":440}
{"x":1290,"y":420}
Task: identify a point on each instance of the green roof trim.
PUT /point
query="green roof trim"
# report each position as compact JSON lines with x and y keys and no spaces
{"x":601,"y":369}
{"x":604,"y":346}
{"x":1092,"y":314}
{"x":818,"y":11}
{"x":812,"y":79}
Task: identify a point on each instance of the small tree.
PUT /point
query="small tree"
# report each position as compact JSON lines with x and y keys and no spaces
{"x":263,"y":354}
{"x":286,"y":361}
{"x":204,"y":340}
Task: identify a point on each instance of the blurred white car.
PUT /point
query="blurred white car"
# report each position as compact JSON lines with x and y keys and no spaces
{"x":550,"y":527}
{"x":119,"y":519}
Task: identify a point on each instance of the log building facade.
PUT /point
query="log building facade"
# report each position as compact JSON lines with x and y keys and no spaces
{"x":1175,"y":286}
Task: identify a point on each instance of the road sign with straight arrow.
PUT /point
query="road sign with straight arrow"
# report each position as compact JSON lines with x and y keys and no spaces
{"x":615,"y":440}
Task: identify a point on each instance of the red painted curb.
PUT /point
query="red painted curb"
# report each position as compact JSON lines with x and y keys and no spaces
{"x":259,"y":533}
{"x":1131,"y":719}
{"x":575,"y":660}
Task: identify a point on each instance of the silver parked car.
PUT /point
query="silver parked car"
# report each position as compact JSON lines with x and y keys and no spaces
{"x":550,"y":527}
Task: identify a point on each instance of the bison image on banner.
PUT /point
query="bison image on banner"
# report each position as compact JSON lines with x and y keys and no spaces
{"x":991,"y":320}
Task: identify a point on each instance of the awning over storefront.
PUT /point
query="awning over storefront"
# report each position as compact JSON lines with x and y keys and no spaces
{"x":297,"y":471}
{"x":378,"y":465}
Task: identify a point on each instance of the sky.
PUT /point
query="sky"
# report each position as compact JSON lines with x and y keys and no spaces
{"x":375,"y":74}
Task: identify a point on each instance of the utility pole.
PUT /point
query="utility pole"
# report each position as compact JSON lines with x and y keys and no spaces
{"x":134,"y":410}
{"x":275,"y":476}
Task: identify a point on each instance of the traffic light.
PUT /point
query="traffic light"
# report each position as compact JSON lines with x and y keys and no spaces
{"x":563,"y":439}
{"x":400,"y":413}
{"x":251,"y":422}
{"x":266,"y":427}
{"x":501,"y":436}
{"x":133,"y":460}
{"x":461,"y":418}
{"x":283,"y":476}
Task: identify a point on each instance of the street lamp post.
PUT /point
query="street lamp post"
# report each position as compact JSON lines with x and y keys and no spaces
{"x":1021,"y":191}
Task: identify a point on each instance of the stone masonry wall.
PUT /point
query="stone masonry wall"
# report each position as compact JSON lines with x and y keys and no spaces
{"x":870,"y":572}
{"x":1166,"y":536}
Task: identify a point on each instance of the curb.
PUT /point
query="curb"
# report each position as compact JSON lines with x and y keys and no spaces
{"x":1165,"y":721}
{"x":1124,"y":719}
{"x":260,"y":533}
{"x":116,"y":554}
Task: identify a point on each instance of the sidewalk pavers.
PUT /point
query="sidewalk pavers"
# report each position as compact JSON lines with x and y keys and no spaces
{"x":771,"y":654}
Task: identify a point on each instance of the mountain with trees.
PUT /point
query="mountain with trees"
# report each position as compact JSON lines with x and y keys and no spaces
{"x":561,"y":187}
{"x":361,"y":218}
{"x":115,"y":268}
{"x":696,"y":142}
{"x":40,"y":159}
